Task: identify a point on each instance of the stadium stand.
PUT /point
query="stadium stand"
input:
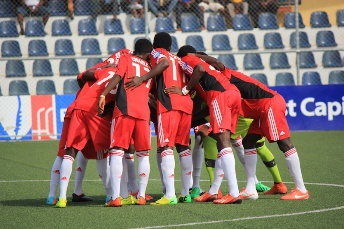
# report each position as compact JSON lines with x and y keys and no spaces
{"x":60,"y":28}
{"x":137,"y":25}
{"x":38,"y":48}
{"x":273,"y":41}
{"x":15,"y":68}
{"x":113,"y":27}
{"x":82,"y":7}
{"x":267,"y":21}
{"x":290,"y":22}
{"x":279,"y":60}
{"x":68,"y":67}
{"x":311,"y":78}
{"x":45,"y":87}
{"x":64,"y":47}
{"x":175,"y":46}
{"x":340,"y":18}
{"x":164,"y":24}
{"x":228,"y":60}
{"x":57,"y":7}
{"x":319,"y":19}
{"x":7,"y":9}
{"x":220,"y":42}
{"x":8,"y":29}
{"x":34,"y":28}
{"x":190,"y":23}
{"x":216,"y":22}
{"x":332,"y":59}
{"x":115,"y":44}
{"x":242,"y":22}
{"x":247,"y":41}
{"x":18,"y":87}
{"x":325,"y":38}
{"x":261,"y":77}
{"x":307,"y":60}
{"x":87,"y":27}
{"x":70,"y":86}
{"x":42,"y":67}
{"x":92,"y":61}
{"x":196,"y":41}
{"x":90,"y":46}
{"x":10,"y":48}
{"x":253,"y":61}
{"x":284,"y":79}
{"x":336,"y":77}
{"x":303,"y":38}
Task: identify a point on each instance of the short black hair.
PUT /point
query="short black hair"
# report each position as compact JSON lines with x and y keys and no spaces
{"x":184,"y":50}
{"x":143,"y":46}
{"x":202,"y":53}
{"x":162,"y":40}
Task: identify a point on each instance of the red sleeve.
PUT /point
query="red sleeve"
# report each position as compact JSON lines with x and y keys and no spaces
{"x":122,"y":66}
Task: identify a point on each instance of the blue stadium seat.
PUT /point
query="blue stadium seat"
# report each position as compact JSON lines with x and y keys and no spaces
{"x":87,"y":27}
{"x":325,"y":39}
{"x":267,"y":21}
{"x":303,"y":37}
{"x":137,"y":25}
{"x":332,"y":59}
{"x":34,"y":28}
{"x":190,"y":23}
{"x":228,"y":60}
{"x":273,"y":41}
{"x":279,"y":60}
{"x":290,"y":22}
{"x":113,"y":26}
{"x":90,"y":46}
{"x":137,"y":38}
{"x":93,"y":61}
{"x":319,"y":19}
{"x":261,"y":77}
{"x":216,"y":22}
{"x":70,"y":86}
{"x":82,"y":7}
{"x":175,"y":46}
{"x":15,"y":68}
{"x":115,"y":44}
{"x":247,"y":41}
{"x":57,"y":7}
{"x":164,"y":24}
{"x":0,"y":92}
{"x":252,"y":61}
{"x":196,"y":41}
{"x":37,"y":48}
{"x":307,"y":60}
{"x":336,"y":77}
{"x":42,"y":68}
{"x":69,"y":67}
{"x":340,"y":18}
{"x":18,"y":87}
{"x":61,"y":28}
{"x":7,"y":9}
{"x":10,"y":48}
{"x":311,"y":78}
{"x":64,"y":47}
{"x":8,"y":29}
{"x":284,"y":79}
{"x":220,"y":42}
{"x":242,"y":22}
{"x":45,"y":87}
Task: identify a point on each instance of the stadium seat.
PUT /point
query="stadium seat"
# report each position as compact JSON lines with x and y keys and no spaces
{"x":261,"y":77}
{"x":137,"y":26}
{"x":175,"y":46}
{"x":303,"y":37}
{"x":115,"y":44}
{"x":290,"y":22}
{"x":311,"y":78}
{"x":57,"y":7}
{"x":42,"y":67}
{"x":340,"y":18}
{"x":137,"y":38}
{"x":197,"y":42}
{"x":0,"y":92}
{"x":164,"y":24}
{"x":307,"y":60}
{"x":284,"y":79}
{"x":45,"y":87}
{"x":60,"y":28}
{"x":273,"y":41}
{"x":15,"y":68}
{"x":247,"y":41}
{"x":228,"y":60}
{"x":90,"y":46}
{"x":242,"y":22}
{"x":216,"y":22}
{"x":87,"y":27}
{"x":8,"y":29}
{"x":18,"y":87}
{"x":70,"y":86}
{"x":69,"y":67}
{"x":319,"y":19}
{"x":325,"y":39}
{"x":336,"y":77}
{"x":267,"y":21}
{"x":10,"y":48}
{"x":34,"y":28}
{"x":279,"y":60}
{"x":190,"y":23}
{"x":82,"y":7}
{"x":92,"y":61}
{"x":37,"y":48}
{"x":113,"y":26}
{"x":7,"y":9}
{"x":64,"y":47}
{"x":252,"y":61}
{"x":220,"y":42}
{"x":332,"y":59}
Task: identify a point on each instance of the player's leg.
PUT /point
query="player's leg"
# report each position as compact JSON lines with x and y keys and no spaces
{"x":103,"y":169}
{"x":197,"y":160}
{"x":78,"y":194}
{"x":129,"y":158}
{"x":54,"y":180}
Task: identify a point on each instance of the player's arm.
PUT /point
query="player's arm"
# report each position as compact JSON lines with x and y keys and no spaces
{"x":111,"y":85}
{"x":217,"y":64}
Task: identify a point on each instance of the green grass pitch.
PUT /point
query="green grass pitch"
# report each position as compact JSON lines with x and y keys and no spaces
{"x":24,"y":185}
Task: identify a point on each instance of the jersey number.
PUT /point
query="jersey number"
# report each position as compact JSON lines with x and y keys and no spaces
{"x":138,"y":73}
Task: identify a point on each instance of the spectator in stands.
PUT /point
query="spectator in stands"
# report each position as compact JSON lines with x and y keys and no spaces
{"x":162,"y":8}
{"x":70,"y":12}
{"x":32,"y":8}
{"x":105,"y":7}
{"x":237,"y":7}
{"x":134,"y":7}
{"x":215,"y":6}
{"x":188,"y":6}
{"x":261,"y":6}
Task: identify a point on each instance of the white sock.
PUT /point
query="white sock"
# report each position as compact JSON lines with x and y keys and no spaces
{"x":116,"y":170}
{"x":250,"y":169}
{"x":132,"y":181}
{"x":103,"y":169}
{"x":218,"y":177}
{"x":167,"y":168}
{"x":197,"y":161}
{"x":239,"y":149}
{"x":158,"y":161}
{"x":55,"y":176}
{"x":186,"y":170}
{"x":124,"y":191}
{"x":143,"y":170}
{"x":228,"y":165}
{"x":65,"y":172}
{"x":293,"y":162}
{"x":80,"y":173}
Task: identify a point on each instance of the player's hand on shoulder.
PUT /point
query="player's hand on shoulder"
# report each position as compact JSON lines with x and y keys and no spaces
{"x":133,"y":83}
{"x":173,"y":90}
